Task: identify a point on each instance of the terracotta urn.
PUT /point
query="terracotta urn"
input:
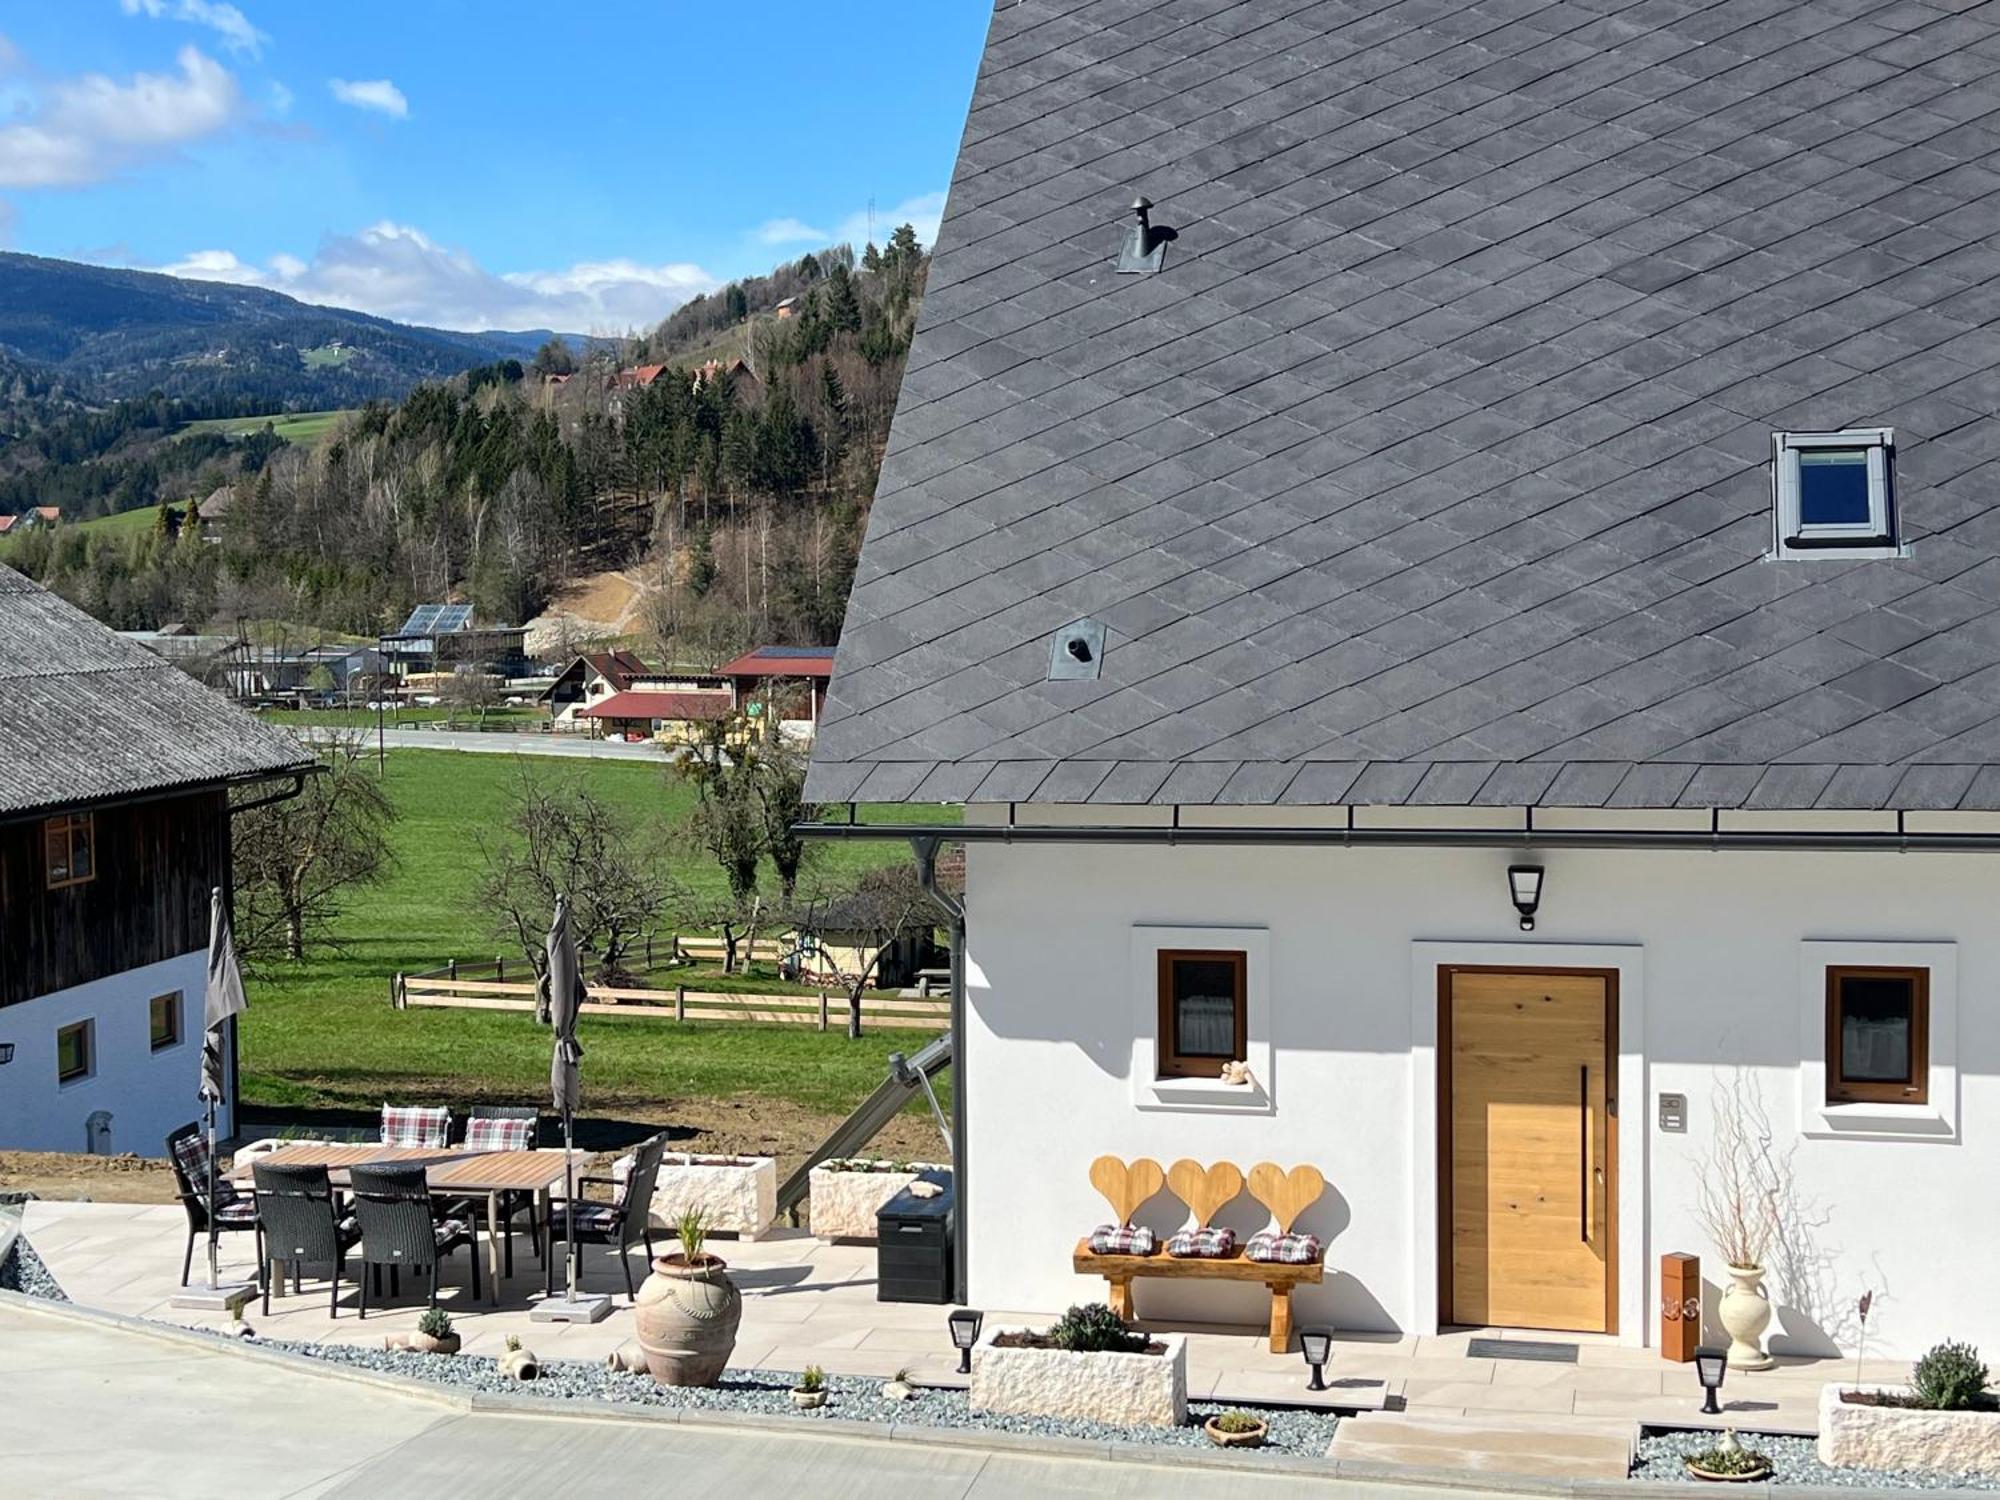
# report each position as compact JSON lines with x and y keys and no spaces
{"x":1745,"y":1312}
{"x":686,"y":1315}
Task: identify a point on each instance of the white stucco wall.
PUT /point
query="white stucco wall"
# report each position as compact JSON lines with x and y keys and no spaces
{"x":148,"y":1093}
{"x":1720,"y":974}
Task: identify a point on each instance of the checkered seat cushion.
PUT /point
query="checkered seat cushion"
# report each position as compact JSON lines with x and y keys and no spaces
{"x":482,"y":1134}
{"x":1203,"y":1244}
{"x":1123,"y":1239}
{"x":591,"y":1218}
{"x":191,"y":1156}
{"x":239,"y":1209}
{"x":1283,"y":1249}
{"x":409,"y":1125}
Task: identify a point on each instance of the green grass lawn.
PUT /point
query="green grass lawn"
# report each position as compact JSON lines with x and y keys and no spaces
{"x":293,"y":426}
{"x":322,"y":1032}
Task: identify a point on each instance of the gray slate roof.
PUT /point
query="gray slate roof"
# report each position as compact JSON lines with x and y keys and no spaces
{"x":86,"y":714}
{"x":1434,"y":466}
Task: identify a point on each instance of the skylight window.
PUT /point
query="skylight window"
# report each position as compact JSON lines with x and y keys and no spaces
{"x":1836,"y":493}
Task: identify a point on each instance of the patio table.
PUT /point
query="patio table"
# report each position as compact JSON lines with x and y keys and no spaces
{"x":450,"y":1171}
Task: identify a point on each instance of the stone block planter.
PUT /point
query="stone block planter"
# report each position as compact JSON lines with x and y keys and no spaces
{"x":736,"y":1194}
{"x":1124,"y":1390}
{"x":1858,"y":1435}
{"x":846,"y":1197}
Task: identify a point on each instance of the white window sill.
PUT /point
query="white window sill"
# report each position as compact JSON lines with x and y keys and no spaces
{"x":1206,"y":1095}
{"x":1901,"y":1122}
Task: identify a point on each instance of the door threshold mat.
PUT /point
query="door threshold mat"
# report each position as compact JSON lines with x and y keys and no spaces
{"x":1535,"y":1349}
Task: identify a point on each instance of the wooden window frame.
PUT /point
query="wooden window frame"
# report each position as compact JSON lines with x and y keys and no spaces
{"x":1917,"y":1090}
{"x":1170,"y":1063}
{"x":89,"y":1034}
{"x":176,"y":1002}
{"x":69,"y":827}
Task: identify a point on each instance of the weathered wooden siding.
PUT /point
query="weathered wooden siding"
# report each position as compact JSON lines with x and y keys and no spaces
{"x":156,"y":863}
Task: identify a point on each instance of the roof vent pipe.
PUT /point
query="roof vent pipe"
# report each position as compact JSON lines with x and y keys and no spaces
{"x":1145,"y":248}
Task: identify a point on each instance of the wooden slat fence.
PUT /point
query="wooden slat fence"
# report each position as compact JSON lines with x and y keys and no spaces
{"x":680,"y":1003}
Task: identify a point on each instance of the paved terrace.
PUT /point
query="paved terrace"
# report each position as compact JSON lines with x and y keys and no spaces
{"x":806,"y":1302}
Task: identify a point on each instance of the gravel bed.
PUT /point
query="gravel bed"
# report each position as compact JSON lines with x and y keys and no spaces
{"x":23,"y":1271}
{"x":852,"y":1398}
{"x":1794,"y":1460}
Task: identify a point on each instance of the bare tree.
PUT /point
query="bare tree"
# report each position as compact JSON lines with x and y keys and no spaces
{"x":883,"y":907}
{"x":475,"y":692}
{"x":1743,"y":1180}
{"x":561,"y":839}
{"x":298,"y":861}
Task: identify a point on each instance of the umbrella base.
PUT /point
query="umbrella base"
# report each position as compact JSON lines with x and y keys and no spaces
{"x":227,"y":1296}
{"x":571,"y":1310}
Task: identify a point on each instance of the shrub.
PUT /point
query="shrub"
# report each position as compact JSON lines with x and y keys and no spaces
{"x":1094,"y":1328}
{"x":692,"y":1229}
{"x":435,"y":1323}
{"x":513,"y":1343}
{"x":812,"y":1379}
{"x":1949,"y":1378}
{"x":1237,"y":1421}
{"x":1729,"y":1458}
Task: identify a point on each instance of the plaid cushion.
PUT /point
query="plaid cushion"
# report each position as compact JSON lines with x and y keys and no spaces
{"x":238,"y":1210}
{"x":1203,"y":1244}
{"x":600,"y":1218}
{"x":1122,"y":1239}
{"x":191,"y":1156}
{"x":1284,"y":1249}
{"x":448,"y":1228}
{"x":408,"y":1125}
{"x":482,"y":1134}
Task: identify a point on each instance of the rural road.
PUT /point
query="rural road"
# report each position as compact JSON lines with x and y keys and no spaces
{"x":95,"y":1409}
{"x":556,"y":746}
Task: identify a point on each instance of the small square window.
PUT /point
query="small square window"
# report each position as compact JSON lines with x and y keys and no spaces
{"x":73,"y":1052}
{"x":1203,"y":1011}
{"x":1835,"y":493}
{"x":166,"y":1020}
{"x":1877,"y":1036}
{"x":68,"y":847}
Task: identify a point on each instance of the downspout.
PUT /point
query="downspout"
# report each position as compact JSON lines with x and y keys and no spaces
{"x":926,"y":850}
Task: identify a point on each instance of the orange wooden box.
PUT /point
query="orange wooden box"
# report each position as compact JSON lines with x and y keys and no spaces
{"x":1680,"y":1306}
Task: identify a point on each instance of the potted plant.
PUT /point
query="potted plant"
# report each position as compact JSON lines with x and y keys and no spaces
{"x":1741,"y":1185}
{"x":518,"y":1363}
{"x":1236,"y":1429}
{"x":434,"y":1333}
{"x":688,"y":1311}
{"x":810,"y":1393}
{"x":1088,"y":1366}
{"x":897,"y":1387}
{"x":1944,"y":1421}
{"x":1729,"y":1462}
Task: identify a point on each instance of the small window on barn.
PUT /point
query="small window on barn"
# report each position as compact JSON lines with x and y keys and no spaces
{"x":74,"y":1049}
{"x":1877,"y":1035}
{"x":165,"y":1020}
{"x":1204,"y":1017}
{"x":1836,"y":493}
{"x":71,"y":855}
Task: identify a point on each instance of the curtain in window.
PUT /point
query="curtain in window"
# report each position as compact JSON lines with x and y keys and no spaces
{"x":1207,"y":1025}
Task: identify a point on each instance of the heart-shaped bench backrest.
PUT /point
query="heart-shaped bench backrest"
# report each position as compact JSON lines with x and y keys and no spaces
{"x":1126,"y":1185}
{"x":1286,"y":1194}
{"x":1204,"y":1189}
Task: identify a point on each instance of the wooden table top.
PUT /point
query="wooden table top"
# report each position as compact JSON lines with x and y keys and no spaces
{"x":447,"y":1167}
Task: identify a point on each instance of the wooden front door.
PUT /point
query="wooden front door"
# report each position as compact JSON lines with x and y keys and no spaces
{"x":1528,"y":1160}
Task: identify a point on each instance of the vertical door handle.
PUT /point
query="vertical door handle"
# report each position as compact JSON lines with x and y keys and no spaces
{"x":1583,"y":1153}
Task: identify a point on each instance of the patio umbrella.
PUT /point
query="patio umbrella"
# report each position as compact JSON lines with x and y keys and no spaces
{"x":558,"y":998}
{"x":222,"y":1001}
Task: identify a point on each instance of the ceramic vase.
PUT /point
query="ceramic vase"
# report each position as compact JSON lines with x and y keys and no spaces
{"x":1745,"y":1313}
{"x":686,"y":1316}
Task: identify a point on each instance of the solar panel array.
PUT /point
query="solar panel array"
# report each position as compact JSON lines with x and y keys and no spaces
{"x":437,"y":619}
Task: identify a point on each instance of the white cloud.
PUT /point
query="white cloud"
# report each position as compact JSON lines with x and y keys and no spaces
{"x":281,"y":99}
{"x":226,"y":21}
{"x":922,"y":213}
{"x":84,"y":129}
{"x":396,"y":271}
{"x":789,"y":232}
{"x":378,"y":94}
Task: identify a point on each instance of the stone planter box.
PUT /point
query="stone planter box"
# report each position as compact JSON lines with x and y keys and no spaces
{"x":737,"y":1194}
{"x":1853,"y":1435}
{"x":844,"y":1203}
{"x":1124,"y":1390}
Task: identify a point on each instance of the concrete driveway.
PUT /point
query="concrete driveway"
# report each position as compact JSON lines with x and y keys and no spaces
{"x":99,"y":1409}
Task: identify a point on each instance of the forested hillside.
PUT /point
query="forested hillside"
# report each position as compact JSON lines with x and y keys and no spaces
{"x":739,"y":473}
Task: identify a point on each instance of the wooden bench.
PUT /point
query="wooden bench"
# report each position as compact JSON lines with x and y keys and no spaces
{"x":1205,"y":1190}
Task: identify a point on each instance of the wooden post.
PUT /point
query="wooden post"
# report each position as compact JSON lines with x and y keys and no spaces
{"x":680,"y":1002}
{"x":1680,"y":1307}
{"x":451,"y":968}
{"x":398,"y":997}
{"x":825,"y":997}
{"x":499,"y":968}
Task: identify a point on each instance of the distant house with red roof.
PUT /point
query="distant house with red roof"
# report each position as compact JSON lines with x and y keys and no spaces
{"x":591,"y":678}
{"x":28,"y":520}
{"x":788,"y":682}
{"x":675,"y":714}
{"x":638,"y":376}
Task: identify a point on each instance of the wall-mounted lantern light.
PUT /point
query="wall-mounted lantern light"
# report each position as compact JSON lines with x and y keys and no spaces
{"x":1524,"y":884}
{"x":6,"y":1053}
{"x":1710,"y":1364}
{"x":965,"y":1323}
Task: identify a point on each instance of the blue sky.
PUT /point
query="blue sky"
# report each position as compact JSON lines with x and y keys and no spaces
{"x":476,"y":163}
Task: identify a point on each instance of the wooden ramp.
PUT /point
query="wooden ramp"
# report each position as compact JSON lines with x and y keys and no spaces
{"x":1540,"y":1447}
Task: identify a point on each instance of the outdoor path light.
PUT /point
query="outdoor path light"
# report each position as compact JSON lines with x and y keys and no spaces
{"x":1710,"y":1365}
{"x":965,"y":1323}
{"x":1317,"y":1346}
{"x":1524,"y":884}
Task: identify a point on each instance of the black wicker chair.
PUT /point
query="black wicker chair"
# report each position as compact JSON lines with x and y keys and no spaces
{"x":503,"y":1127}
{"x":231,"y":1209}
{"x":300,"y":1224}
{"x":393,"y":1204}
{"x":622,"y":1223}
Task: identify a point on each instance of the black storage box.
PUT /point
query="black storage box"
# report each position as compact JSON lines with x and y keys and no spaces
{"x":913,"y":1260}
